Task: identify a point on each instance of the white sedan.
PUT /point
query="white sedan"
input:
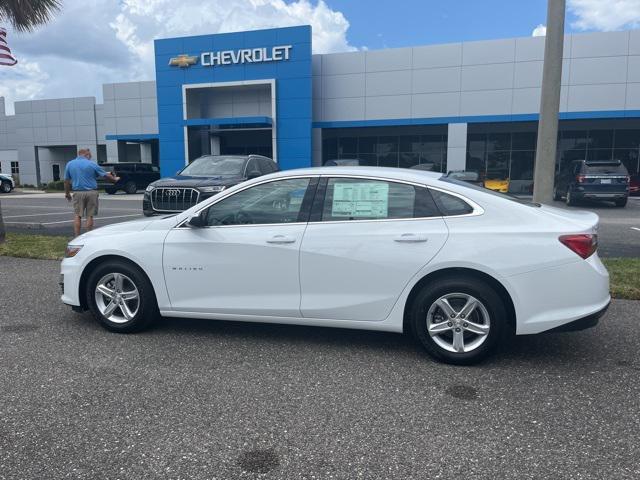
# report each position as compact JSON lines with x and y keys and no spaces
{"x":395,"y":250}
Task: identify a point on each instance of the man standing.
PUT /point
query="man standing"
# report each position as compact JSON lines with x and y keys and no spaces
{"x":80,"y":176}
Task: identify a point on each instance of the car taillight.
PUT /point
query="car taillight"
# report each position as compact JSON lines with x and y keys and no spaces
{"x":580,"y":178}
{"x":584,"y":245}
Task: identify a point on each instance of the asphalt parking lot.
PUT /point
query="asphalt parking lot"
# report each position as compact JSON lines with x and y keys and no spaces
{"x":52,"y":214}
{"x":221,"y":400}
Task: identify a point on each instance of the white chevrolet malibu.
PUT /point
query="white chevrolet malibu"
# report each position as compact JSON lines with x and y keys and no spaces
{"x":458,"y":266}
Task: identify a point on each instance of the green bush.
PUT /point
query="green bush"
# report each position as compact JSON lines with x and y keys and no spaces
{"x":59,"y":185}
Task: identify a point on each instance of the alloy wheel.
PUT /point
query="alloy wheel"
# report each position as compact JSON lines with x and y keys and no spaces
{"x":458,"y":322}
{"x":117,"y":297}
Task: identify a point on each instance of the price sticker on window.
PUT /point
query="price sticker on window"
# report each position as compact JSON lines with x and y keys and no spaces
{"x":360,"y":200}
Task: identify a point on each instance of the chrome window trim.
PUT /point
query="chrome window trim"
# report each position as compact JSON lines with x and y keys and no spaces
{"x":477,"y":209}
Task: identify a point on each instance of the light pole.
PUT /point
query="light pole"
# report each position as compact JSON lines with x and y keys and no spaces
{"x":549,"y":104}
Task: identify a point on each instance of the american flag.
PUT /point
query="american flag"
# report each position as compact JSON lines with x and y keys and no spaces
{"x":6,"y":58}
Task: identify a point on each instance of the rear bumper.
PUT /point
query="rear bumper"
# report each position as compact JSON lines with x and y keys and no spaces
{"x":583,"y":323}
{"x":550,"y":298}
{"x":602,"y":195}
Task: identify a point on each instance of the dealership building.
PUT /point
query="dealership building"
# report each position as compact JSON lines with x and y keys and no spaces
{"x":468,"y":105}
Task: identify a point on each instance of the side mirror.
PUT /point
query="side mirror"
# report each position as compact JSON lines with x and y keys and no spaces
{"x":199,"y":220}
{"x":253,"y":174}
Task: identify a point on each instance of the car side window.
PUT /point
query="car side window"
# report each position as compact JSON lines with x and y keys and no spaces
{"x":267,"y":166}
{"x":450,"y":204}
{"x":364,"y":199}
{"x":252,"y":166}
{"x":279,"y":201}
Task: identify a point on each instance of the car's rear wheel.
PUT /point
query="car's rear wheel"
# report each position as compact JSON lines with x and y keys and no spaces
{"x":458,"y":320}
{"x":110,"y":190}
{"x":621,"y":202}
{"x":130,"y":187}
{"x":121,"y":297}
{"x":556,"y":195}
{"x":5,"y":187}
{"x":569,"y":198}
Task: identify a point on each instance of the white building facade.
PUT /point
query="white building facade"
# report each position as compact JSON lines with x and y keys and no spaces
{"x":468,"y":105}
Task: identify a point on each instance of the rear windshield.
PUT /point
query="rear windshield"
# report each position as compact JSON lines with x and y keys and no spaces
{"x":472,"y":186}
{"x":605,"y":168}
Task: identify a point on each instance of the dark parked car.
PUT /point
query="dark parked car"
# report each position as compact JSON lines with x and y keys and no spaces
{"x":469,"y":176}
{"x":343,"y":162}
{"x":134,"y":176}
{"x":634,"y":185}
{"x":593,"y":180}
{"x":203,"y":178}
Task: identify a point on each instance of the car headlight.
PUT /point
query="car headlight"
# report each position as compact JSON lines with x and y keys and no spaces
{"x":149,"y":188}
{"x":212,"y":189}
{"x":72,"y":250}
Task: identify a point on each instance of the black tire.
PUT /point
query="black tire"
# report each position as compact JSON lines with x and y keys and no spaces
{"x":147,"y":213}
{"x":556,"y":195}
{"x":621,"y":202}
{"x":569,"y":199}
{"x":486,"y":295}
{"x":5,"y":187}
{"x":130,"y":187}
{"x":110,"y":190}
{"x":147,"y":310}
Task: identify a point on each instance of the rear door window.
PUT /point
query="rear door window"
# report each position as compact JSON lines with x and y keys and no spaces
{"x":363,"y":199}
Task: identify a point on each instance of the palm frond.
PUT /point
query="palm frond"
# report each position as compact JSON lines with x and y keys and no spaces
{"x":25,"y":15}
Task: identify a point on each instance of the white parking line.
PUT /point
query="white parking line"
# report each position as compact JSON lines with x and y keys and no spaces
{"x":635,"y":228}
{"x":71,"y":221}
{"x":35,"y":215}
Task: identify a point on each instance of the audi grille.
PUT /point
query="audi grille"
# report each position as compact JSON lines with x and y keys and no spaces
{"x":173,"y":199}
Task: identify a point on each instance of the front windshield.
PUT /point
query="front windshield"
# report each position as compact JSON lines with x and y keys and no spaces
{"x":214,"y":166}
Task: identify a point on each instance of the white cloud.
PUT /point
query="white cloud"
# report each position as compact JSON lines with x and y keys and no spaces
{"x":605,"y":15}
{"x":92,"y":42}
{"x":539,"y":31}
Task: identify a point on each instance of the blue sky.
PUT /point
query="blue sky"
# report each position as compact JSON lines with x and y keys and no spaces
{"x":117,"y":45}
{"x":387,"y":24}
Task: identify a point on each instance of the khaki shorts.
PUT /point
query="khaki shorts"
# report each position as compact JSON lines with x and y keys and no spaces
{"x":85,"y":203}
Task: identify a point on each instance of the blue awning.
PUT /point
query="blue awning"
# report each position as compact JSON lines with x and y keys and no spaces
{"x":134,"y":137}
{"x":231,"y":121}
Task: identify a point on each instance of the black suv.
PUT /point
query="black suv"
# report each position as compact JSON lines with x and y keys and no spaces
{"x":593,"y":180}
{"x":134,"y":176}
{"x":203,"y":178}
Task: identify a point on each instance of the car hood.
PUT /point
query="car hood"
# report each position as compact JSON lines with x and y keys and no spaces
{"x":189,"y":181}
{"x":129,"y":226}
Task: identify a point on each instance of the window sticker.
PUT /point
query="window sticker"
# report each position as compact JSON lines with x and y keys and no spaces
{"x":360,"y":200}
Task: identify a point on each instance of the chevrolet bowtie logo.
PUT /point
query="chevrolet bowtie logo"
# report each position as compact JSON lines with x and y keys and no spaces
{"x":183,"y":61}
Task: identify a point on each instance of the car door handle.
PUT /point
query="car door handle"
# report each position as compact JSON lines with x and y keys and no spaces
{"x":410,"y":238}
{"x":281,"y":239}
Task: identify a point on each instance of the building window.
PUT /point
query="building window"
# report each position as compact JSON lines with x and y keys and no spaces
{"x":388,"y":147}
{"x":15,"y":168}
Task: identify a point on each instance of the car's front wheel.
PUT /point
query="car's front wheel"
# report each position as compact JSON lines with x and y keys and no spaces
{"x":121,"y":297}
{"x":458,"y":320}
{"x":5,"y":187}
{"x":130,"y":187}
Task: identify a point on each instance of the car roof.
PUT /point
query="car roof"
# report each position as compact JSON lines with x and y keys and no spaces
{"x":406,"y":174}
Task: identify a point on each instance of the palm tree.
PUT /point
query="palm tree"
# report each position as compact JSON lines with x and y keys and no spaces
{"x":24,"y":16}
